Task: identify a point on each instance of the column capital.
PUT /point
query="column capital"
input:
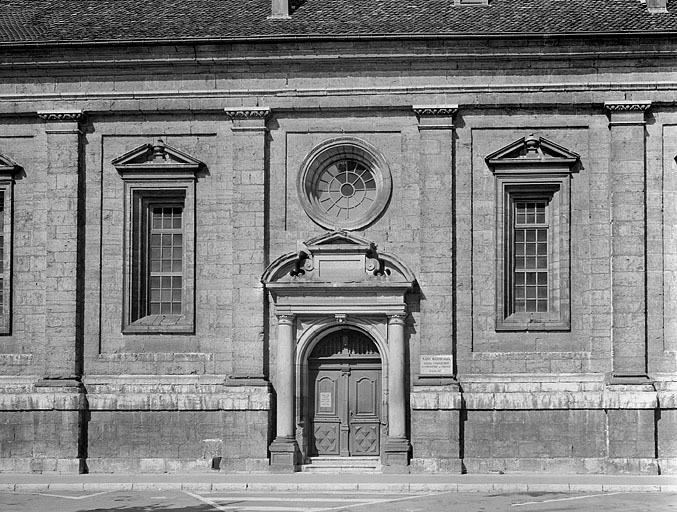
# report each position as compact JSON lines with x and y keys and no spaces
{"x":398,"y":318}
{"x":285,"y":319}
{"x":248,"y":118}
{"x":435,"y":117}
{"x":77,"y":116}
{"x":247,"y":112}
{"x":627,"y":112}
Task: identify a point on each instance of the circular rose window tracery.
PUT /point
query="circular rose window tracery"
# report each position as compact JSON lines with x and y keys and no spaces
{"x":344,"y":183}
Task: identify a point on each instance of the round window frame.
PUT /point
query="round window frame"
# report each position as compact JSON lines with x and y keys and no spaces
{"x":334,"y":150}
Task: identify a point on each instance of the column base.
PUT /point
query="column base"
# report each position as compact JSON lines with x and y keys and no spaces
{"x":284,"y":455}
{"x":396,"y":455}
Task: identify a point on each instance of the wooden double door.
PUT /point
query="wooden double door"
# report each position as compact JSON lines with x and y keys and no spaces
{"x":345,"y":396}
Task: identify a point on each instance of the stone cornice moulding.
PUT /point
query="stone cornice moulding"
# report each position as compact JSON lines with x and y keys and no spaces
{"x":77,"y":116}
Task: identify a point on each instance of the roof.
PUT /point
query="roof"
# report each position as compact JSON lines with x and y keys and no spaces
{"x":52,"y":21}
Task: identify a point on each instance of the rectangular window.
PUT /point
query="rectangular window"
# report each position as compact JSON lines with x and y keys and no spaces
{"x":160,"y":278}
{"x":530,"y":257}
{"x":533,"y":217}
{"x":166,"y":259}
{"x":533,"y":275}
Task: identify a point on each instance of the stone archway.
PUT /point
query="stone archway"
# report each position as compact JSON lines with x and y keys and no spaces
{"x":338,"y":279}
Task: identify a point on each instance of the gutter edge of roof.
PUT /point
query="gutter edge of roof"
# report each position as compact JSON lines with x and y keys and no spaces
{"x":286,"y":38}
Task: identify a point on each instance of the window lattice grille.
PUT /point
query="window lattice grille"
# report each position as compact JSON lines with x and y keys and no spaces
{"x":166,"y":260}
{"x":530,"y":260}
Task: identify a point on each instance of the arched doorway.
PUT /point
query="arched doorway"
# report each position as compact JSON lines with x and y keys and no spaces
{"x":344,"y":396}
{"x":335,"y":285}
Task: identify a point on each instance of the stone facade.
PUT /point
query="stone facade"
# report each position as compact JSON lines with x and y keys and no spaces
{"x":597,"y":395}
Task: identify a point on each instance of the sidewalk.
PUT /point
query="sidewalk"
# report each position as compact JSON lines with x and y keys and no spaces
{"x":340,"y":482}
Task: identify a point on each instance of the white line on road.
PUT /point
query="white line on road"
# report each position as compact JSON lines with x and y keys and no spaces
{"x":208,"y":501}
{"x":566,"y":499}
{"x":61,"y":496}
{"x":386,"y":501}
{"x":319,"y":500}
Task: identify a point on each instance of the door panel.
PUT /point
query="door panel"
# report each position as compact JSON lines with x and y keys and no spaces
{"x":345,"y":397}
{"x":364,"y":400}
{"x":326,"y":422}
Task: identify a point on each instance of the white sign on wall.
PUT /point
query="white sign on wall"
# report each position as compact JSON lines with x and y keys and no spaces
{"x":437,"y":365}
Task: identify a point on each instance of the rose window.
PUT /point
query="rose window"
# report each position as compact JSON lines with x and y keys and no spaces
{"x":344,"y":183}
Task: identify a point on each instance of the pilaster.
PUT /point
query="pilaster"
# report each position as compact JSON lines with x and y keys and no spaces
{"x":627,"y":169}
{"x":630,"y":415}
{"x":436,"y":171}
{"x":63,"y":325}
{"x":250,"y":244}
{"x":63,"y":430}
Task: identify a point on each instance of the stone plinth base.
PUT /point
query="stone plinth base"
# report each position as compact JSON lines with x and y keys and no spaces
{"x":396,"y":455}
{"x":284,"y":455}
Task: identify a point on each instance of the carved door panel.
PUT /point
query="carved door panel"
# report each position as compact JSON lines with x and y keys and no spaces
{"x":328,"y":401}
{"x":364,"y":397}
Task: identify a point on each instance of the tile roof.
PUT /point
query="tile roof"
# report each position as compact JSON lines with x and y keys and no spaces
{"x":41,"y":21}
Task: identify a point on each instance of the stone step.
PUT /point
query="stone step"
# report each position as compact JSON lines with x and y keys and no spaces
{"x":342,"y":465}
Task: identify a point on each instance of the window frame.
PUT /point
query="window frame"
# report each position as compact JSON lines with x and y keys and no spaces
{"x":156,"y":174}
{"x":331,"y":152}
{"x":8,"y":172}
{"x":137,"y":312}
{"x":137,"y":318}
{"x":558,"y":315}
{"x":534,"y":167}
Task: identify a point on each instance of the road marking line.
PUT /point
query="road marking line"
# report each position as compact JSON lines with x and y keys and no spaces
{"x":207,"y":501}
{"x":330,"y":500}
{"x":59,"y":495}
{"x":566,"y":499}
{"x":281,"y":509}
{"x":228,"y":508}
{"x":387,"y":501}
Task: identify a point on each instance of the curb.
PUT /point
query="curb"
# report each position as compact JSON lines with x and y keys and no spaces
{"x":413,"y":488}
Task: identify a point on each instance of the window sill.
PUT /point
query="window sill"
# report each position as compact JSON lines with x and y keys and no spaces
{"x":532,"y":322}
{"x":160,"y":324}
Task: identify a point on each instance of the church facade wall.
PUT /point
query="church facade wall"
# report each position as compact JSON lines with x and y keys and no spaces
{"x":86,"y":384}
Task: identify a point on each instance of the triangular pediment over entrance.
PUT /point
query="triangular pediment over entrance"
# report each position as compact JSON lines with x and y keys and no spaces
{"x":338,"y":272}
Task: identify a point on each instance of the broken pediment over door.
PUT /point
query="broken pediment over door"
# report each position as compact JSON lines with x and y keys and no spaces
{"x":336,"y":272}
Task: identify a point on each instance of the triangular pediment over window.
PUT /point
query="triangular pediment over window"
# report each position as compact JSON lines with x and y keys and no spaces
{"x":533,"y":154}
{"x":8,"y":167}
{"x":155,"y":161}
